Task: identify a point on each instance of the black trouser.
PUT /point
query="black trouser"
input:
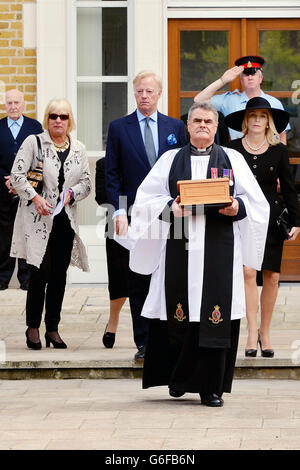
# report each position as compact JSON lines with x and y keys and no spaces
{"x":8,"y":210}
{"x":138,"y":287}
{"x":47,"y":283}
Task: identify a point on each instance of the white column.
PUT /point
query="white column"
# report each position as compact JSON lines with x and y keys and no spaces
{"x":51,"y":36}
{"x":149,"y":40}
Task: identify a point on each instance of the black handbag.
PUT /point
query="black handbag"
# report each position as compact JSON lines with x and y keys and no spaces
{"x":284,"y":224}
{"x":35,"y":177}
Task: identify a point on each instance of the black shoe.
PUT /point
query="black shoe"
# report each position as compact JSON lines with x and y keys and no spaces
{"x":211,"y":399}
{"x":24,"y":285}
{"x":250,"y":352}
{"x":140,"y":355}
{"x":3,"y":286}
{"x":175,"y":393}
{"x":265,"y":352}
{"x":56,"y":344}
{"x":31,"y":344}
{"x":108,"y":339}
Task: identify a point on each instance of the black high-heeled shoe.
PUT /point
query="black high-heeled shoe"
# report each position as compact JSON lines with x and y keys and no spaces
{"x":108,"y":339}
{"x":265,"y":352}
{"x":55,"y":344}
{"x":32,"y":344}
{"x":250,"y":352}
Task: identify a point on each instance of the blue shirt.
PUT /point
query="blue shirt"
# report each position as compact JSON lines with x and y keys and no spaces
{"x":15,"y":126}
{"x":153,"y":126}
{"x":231,"y":102}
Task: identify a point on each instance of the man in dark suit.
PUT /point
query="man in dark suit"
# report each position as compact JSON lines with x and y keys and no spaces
{"x":134,"y":143}
{"x":13,"y":131}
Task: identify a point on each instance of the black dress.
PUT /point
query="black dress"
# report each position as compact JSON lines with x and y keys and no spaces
{"x":269,"y":168}
{"x":117,"y":257}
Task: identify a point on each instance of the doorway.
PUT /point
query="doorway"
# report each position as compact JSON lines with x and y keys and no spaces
{"x":200,"y":50}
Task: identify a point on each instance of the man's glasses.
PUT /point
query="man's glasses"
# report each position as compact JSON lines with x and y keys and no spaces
{"x":63,"y":117}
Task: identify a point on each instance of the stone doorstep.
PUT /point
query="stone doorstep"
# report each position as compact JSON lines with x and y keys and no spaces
{"x":262,"y":368}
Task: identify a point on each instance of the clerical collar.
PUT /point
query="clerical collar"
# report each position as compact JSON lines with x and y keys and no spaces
{"x":199,"y":152}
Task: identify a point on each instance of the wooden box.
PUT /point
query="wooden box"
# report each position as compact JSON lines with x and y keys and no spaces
{"x":213,"y":191}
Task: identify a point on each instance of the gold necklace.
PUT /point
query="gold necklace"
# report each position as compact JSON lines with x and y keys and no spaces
{"x":63,"y":147}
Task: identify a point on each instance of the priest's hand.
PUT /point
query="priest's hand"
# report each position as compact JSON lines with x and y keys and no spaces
{"x":179,"y":211}
{"x":232,"y":209}
{"x":294,"y":233}
{"x":121,"y":224}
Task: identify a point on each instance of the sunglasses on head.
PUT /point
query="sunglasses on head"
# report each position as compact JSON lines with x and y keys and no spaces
{"x":63,"y":117}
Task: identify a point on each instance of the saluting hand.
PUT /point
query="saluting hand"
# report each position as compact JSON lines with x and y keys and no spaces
{"x":232,"y":74}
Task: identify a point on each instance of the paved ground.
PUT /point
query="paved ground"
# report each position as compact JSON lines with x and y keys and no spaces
{"x":84,"y":316}
{"x":118,"y":414}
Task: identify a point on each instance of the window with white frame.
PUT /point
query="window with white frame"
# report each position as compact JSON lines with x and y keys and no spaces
{"x":102,"y":68}
{"x":102,"y":76}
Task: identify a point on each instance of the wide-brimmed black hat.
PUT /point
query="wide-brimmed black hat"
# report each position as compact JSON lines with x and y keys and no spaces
{"x":251,"y":63}
{"x":280,"y":117}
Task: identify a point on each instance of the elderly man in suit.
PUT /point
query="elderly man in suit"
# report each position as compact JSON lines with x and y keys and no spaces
{"x":13,"y":131}
{"x":134,"y":144}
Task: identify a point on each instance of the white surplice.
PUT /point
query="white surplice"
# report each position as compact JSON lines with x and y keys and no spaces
{"x":147,"y":235}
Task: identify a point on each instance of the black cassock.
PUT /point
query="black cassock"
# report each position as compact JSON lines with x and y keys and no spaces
{"x":195,"y":356}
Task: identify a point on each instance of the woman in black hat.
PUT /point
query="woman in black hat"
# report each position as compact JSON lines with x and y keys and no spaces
{"x":269,"y":162}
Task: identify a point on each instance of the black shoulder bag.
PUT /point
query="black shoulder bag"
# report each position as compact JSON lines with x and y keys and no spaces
{"x":35,"y":177}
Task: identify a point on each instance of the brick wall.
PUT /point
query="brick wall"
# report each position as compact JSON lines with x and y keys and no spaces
{"x":17,"y":64}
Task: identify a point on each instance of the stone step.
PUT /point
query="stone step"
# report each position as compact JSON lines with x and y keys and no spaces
{"x":260,"y":368}
{"x":84,"y":317}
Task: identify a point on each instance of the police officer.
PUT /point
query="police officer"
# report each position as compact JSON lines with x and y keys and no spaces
{"x":249,"y":69}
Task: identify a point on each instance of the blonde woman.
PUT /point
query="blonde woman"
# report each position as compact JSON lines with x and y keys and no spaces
{"x":48,"y":243}
{"x":268,"y":160}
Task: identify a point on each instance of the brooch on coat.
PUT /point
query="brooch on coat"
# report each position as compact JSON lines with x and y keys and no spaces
{"x":171,"y":139}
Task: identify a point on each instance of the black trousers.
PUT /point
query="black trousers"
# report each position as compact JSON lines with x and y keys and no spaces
{"x":138,"y":287}
{"x":47,"y":283}
{"x":117,"y":258}
{"x":8,"y":210}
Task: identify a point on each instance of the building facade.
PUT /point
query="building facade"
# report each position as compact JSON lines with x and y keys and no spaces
{"x":89,"y":51}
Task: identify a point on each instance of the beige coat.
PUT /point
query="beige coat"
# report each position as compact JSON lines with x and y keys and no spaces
{"x":31,"y":230}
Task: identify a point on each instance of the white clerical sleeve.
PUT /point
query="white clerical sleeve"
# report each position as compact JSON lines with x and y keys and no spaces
{"x":254,"y":227}
{"x":147,"y":234}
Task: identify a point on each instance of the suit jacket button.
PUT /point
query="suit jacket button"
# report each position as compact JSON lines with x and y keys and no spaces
{"x":271,"y":168}
{"x":254,"y":166}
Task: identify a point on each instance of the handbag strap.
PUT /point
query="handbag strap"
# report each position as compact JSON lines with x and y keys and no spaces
{"x":40,"y":156}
